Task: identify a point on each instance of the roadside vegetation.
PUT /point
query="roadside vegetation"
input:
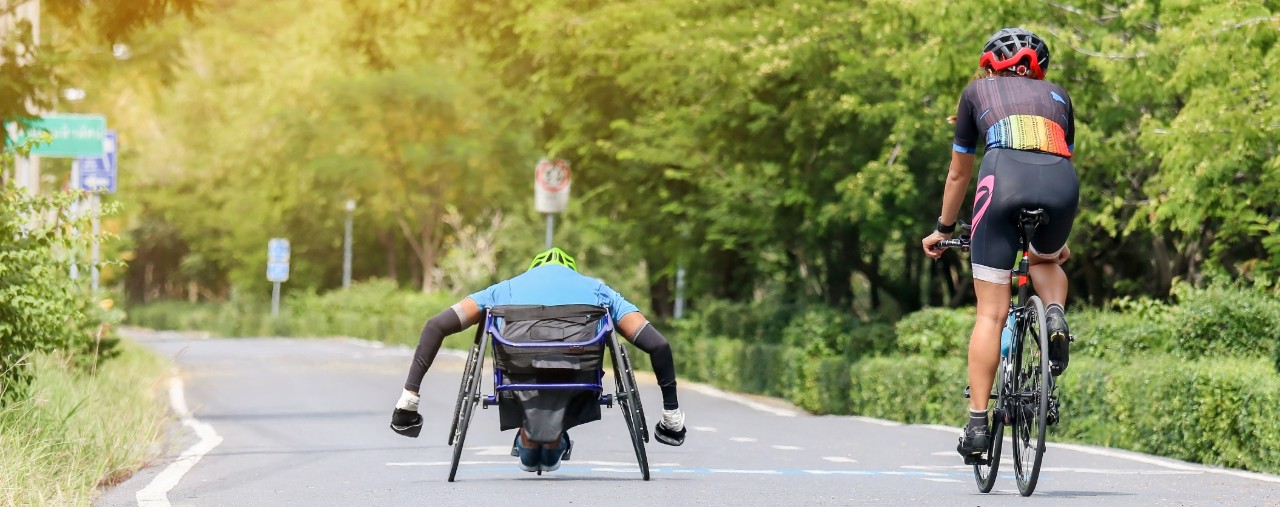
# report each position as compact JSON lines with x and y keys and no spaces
{"x":77,"y":405}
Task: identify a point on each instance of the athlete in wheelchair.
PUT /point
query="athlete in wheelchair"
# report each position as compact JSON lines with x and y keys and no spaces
{"x":549,"y":327}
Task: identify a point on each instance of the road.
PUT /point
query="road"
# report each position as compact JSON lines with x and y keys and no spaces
{"x":304,"y":422}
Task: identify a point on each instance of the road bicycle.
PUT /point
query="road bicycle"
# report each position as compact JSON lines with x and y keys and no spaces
{"x":1024,"y":398}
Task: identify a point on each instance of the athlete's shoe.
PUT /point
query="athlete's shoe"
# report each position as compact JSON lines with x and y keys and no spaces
{"x":671,"y":429}
{"x":530,"y":457}
{"x":1059,"y":339}
{"x":406,"y":422}
{"x":975,"y":441}
{"x":551,"y":456}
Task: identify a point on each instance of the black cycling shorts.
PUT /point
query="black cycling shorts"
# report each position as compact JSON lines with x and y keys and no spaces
{"x":1009,"y":181}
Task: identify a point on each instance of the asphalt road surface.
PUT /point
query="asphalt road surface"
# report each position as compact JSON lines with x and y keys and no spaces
{"x":304,"y":422}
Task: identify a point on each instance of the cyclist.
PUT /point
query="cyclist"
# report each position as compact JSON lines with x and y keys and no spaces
{"x":552,"y":279}
{"x":1028,"y":126}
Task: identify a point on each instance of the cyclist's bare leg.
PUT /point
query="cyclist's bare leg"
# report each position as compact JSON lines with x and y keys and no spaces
{"x":984,"y":343}
{"x":1049,"y":279}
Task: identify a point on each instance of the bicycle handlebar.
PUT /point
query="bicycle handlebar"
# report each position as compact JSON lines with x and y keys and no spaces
{"x":962,"y":243}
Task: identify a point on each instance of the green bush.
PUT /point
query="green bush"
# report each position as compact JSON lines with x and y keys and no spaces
{"x":909,"y":388}
{"x":375,"y":310}
{"x":41,"y":308}
{"x":1225,"y":321}
{"x":936,"y":332}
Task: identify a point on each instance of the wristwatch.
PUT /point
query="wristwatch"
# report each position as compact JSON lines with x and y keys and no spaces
{"x":945,"y":229}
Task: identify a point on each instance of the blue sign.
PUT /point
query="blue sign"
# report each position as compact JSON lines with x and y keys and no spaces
{"x":99,"y":174}
{"x":278,"y":250}
{"x":277,"y":272}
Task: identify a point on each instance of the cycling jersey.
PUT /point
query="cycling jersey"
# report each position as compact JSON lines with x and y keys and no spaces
{"x":553,"y":284}
{"x":1015,"y":113}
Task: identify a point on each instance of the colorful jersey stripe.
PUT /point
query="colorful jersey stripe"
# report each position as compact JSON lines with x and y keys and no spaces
{"x":1028,"y":132}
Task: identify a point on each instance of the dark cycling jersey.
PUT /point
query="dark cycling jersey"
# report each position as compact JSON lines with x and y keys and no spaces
{"x":1015,"y":113}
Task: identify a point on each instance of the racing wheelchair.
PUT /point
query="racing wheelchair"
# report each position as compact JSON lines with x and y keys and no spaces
{"x":548,"y":372}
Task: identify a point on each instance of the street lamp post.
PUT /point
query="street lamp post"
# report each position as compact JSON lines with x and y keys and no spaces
{"x":346,"y":245}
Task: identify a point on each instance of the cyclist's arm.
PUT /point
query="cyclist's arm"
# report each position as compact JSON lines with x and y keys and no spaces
{"x":452,"y":320}
{"x":957,"y":186}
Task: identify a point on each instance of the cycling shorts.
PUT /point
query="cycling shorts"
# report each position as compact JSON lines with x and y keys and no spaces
{"x":1009,"y":181}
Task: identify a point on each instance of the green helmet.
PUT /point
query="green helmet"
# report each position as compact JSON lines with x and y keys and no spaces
{"x":554,"y":256}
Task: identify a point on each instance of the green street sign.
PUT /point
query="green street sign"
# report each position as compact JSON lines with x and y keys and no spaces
{"x":74,"y":135}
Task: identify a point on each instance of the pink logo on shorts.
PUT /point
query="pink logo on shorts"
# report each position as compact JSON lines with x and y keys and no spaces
{"x":986,"y":188}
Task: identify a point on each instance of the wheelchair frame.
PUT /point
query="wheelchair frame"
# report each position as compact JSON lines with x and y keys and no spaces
{"x":626,"y":394}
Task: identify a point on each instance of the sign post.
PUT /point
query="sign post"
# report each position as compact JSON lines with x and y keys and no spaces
{"x":74,"y":135}
{"x":277,"y":269}
{"x":97,"y":174}
{"x":551,"y":181}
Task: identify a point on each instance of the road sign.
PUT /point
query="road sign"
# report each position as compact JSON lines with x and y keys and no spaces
{"x":99,"y":174}
{"x":74,"y":135}
{"x":278,"y":250}
{"x":277,"y":260}
{"x":551,"y":181}
{"x":277,"y":272}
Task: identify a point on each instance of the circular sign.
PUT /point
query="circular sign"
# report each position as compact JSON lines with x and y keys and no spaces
{"x":552,"y":176}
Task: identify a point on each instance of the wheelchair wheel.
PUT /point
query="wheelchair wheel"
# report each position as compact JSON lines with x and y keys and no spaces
{"x":467,"y":373}
{"x":470,"y":396}
{"x":628,"y":397}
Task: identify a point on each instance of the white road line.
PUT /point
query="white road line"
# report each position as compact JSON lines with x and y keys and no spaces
{"x":743,"y":439}
{"x":742,"y":400}
{"x":512,"y":462}
{"x":936,"y":479}
{"x":707,"y":429}
{"x":872,"y":420}
{"x":156,"y":494}
{"x":785,"y":447}
{"x":1140,"y":458}
{"x":734,"y":471}
{"x":839,"y":459}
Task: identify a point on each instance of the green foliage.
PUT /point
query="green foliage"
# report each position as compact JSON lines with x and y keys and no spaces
{"x":1225,"y":321}
{"x":375,"y":310}
{"x":41,"y":308}
{"x":936,"y":332}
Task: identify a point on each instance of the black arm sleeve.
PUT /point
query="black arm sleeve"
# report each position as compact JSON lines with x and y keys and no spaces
{"x":664,"y":365}
{"x":443,"y":324}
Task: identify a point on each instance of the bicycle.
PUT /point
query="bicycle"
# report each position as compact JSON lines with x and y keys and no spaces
{"x":1024,"y":397}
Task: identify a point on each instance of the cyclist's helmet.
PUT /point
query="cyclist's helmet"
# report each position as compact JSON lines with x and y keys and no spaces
{"x":554,"y":256}
{"x":1011,"y":48}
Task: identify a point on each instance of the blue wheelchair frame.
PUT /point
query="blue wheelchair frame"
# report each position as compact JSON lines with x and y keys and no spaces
{"x":491,"y":327}
{"x":626,"y":395}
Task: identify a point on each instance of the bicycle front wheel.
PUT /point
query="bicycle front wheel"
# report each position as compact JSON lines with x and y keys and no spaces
{"x":1030,"y":399}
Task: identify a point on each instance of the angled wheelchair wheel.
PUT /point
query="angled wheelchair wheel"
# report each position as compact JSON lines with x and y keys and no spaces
{"x":472,"y":359}
{"x":468,"y":397}
{"x":628,"y":397}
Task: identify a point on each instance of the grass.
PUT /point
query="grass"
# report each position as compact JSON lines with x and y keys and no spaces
{"x":80,"y":430}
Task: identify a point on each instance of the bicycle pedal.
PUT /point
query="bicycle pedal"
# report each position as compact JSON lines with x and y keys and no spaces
{"x":973,"y":459}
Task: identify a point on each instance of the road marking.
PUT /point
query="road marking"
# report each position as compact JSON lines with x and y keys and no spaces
{"x":1140,"y":458}
{"x":493,"y":450}
{"x":741,"y":400}
{"x":156,"y":494}
{"x":750,"y":472}
{"x":785,"y":447}
{"x":513,"y":461}
{"x":707,"y":429}
{"x":839,"y":459}
{"x":872,"y":420}
{"x":743,"y":439}
{"x":936,"y":479}
{"x":840,"y":472}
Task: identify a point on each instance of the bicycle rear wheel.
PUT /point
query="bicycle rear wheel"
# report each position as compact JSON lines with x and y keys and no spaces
{"x":1030,"y":400}
{"x":628,"y":397}
{"x":985,"y":473}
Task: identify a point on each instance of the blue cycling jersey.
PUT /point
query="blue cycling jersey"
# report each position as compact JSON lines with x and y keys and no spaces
{"x":553,"y":284}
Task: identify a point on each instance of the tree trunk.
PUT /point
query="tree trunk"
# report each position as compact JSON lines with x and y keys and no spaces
{"x":388,"y":241}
